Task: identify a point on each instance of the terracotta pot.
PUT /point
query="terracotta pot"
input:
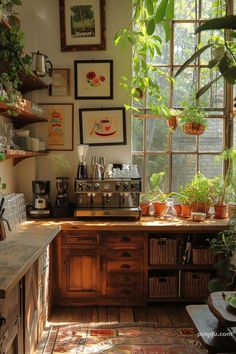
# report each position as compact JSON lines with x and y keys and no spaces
{"x":159,"y":208}
{"x":201,"y":207}
{"x":172,"y":122}
{"x":178,"y":209}
{"x":145,"y":208}
{"x":221,"y":211}
{"x":194,"y":128}
{"x":231,"y":210}
{"x":186,"y":210}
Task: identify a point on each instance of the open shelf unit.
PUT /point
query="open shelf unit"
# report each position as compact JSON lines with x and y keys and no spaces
{"x":19,"y":155}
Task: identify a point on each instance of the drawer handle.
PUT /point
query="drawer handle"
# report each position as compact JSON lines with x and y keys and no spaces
{"x":2,"y":321}
{"x":127,"y":279}
{"x":125,"y":239}
{"x":125,"y":254}
{"x":125,"y":266}
{"x":125,"y":291}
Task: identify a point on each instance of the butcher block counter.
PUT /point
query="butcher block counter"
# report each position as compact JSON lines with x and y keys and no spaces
{"x":21,"y":249}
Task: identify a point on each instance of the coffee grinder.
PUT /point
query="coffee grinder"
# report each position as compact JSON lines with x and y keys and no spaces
{"x":62,"y":203}
{"x":41,"y":204}
{"x":82,"y":172}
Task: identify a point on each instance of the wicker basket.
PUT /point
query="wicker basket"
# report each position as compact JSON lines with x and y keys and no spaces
{"x":163,"y":251}
{"x":163,"y":286}
{"x":195,"y":284}
{"x":202,"y":256}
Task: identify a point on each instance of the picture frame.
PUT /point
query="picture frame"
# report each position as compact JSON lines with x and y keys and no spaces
{"x":102,"y":126}
{"x":58,"y":131}
{"x":93,"y":79}
{"x":82,"y":25}
{"x":60,"y":85}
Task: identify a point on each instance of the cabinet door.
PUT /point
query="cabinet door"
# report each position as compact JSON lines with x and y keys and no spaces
{"x":31,"y":309}
{"x":81,"y":273}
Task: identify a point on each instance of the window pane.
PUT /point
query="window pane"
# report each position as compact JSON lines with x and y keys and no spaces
{"x":183,"y":142}
{"x":209,"y":166}
{"x":165,"y":51}
{"x":156,"y":164}
{"x":137,"y":136}
{"x":210,"y":9}
{"x":184,"y":9}
{"x":184,"y":168}
{"x":183,"y":87}
{"x":184,"y":42}
{"x":212,"y":139}
{"x":157,"y":134}
{"x":214,"y":97}
{"x":160,"y":76}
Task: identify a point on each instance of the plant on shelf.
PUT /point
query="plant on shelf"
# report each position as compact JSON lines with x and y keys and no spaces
{"x":150,"y":27}
{"x":13,"y":59}
{"x":193,"y":118}
{"x":200,"y":193}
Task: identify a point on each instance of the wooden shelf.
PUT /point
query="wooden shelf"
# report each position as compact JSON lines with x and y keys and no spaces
{"x":181,"y":267}
{"x":22,"y":118}
{"x":30,"y":82}
{"x":19,"y":155}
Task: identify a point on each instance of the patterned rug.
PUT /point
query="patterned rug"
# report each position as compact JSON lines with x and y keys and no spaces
{"x":74,"y":339}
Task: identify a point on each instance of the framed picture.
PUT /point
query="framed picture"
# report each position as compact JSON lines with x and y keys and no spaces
{"x":93,"y":79}
{"x":60,"y":83}
{"x":102,"y":126}
{"x":58,"y":132}
{"x":82,"y":24}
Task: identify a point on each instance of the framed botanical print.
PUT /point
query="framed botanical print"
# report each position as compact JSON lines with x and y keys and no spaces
{"x":93,"y":79}
{"x":102,"y":126}
{"x":60,"y":85}
{"x":82,"y":25}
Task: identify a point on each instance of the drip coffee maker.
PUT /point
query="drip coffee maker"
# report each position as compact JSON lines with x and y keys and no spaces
{"x":41,"y":204}
{"x":82,"y":172}
{"x":62,"y":204}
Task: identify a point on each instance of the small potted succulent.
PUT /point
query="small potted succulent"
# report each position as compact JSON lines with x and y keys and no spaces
{"x":193,"y":118}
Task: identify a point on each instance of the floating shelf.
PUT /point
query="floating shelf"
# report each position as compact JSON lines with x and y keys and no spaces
{"x":22,"y":118}
{"x":19,"y":155}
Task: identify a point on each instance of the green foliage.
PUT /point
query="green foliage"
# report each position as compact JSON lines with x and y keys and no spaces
{"x":2,"y":185}
{"x":228,"y":155}
{"x":193,"y":113}
{"x":147,"y":17}
{"x":155,"y":193}
{"x":12,"y":56}
{"x":2,"y":156}
{"x":200,"y":189}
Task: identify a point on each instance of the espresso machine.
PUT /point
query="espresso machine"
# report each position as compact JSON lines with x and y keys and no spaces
{"x":108,"y":197}
{"x":41,"y":203}
{"x":62,"y":204}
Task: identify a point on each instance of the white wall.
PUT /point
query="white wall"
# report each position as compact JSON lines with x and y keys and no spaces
{"x":40,"y":22}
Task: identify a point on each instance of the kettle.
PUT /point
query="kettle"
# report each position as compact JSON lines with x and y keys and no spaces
{"x":41,"y":66}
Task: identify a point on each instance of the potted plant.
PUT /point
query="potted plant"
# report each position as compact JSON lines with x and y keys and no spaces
{"x":200,"y":192}
{"x":220,"y":185}
{"x":158,"y":196}
{"x":172,"y":118}
{"x":184,"y":198}
{"x":193,"y":118}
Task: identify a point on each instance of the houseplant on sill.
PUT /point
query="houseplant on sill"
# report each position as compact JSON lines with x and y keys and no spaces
{"x":183,"y":197}
{"x":193,"y":119}
{"x":200,"y":193}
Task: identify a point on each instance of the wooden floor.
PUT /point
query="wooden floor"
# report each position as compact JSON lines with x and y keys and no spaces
{"x":165,"y":314}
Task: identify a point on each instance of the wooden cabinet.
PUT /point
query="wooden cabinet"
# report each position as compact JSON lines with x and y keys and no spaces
{"x":80,"y":259}
{"x":11,"y":340}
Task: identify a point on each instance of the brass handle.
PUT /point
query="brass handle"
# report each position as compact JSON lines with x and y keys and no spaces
{"x":125,"y":266}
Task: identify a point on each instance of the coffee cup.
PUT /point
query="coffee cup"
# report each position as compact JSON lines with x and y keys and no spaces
{"x":104,"y":126}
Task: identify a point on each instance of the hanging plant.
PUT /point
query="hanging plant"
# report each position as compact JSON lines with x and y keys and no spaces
{"x":193,"y":119}
{"x":148,"y":16}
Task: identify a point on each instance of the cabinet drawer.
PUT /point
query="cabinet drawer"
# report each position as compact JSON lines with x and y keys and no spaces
{"x":125,"y":240}
{"x":123,"y":278}
{"x":125,"y":291}
{"x":80,"y":238}
{"x":125,"y":254}
{"x":124,"y":265}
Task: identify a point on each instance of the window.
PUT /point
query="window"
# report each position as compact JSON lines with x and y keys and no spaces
{"x":180,"y":156}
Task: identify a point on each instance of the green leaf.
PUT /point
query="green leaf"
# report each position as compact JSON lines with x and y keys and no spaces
{"x":232,"y":34}
{"x":150,"y":8}
{"x":150,"y":27}
{"x":161,"y":10}
{"x":206,"y":87}
{"x":167,"y":28}
{"x":194,"y":56}
{"x":227,"y":69}
{"x":227,"y":22}
{"x":170,"y":12}
{"x":117,"y":37}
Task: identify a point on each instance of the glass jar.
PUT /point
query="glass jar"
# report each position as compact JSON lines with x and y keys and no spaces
{"x":170,"y":212}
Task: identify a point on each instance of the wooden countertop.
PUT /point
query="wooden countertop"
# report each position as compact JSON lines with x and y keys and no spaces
{"x":148,"y":223}
{"x":21,"y":249}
